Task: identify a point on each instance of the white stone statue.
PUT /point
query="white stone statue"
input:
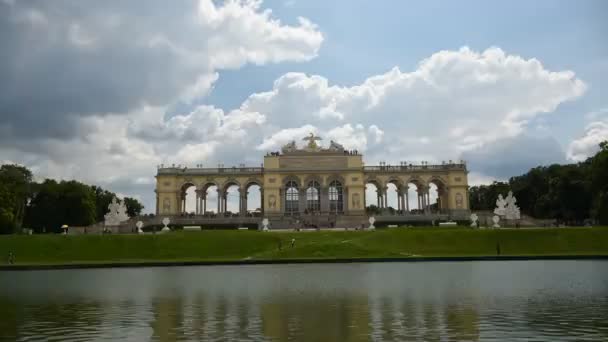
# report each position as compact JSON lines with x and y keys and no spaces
{"x":117,"y":213}
{"x":166,"y":222}
{"x":334,"y":146}
{"x":496,"y":219}
{"x":265,"y":223}
{"x":372,"y":220}
{"x":139,"y":225}
{"x":511,"y":210}
{"x":474,"y":219}
{"x":289,"y":147}
{"x":500,"y":206}
{"x":312,"y":142}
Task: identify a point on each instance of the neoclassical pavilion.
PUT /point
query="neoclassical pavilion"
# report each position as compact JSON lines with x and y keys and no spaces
{"x":325,"y":183}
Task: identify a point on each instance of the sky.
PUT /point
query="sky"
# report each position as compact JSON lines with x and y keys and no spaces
{"x":104,"y":92}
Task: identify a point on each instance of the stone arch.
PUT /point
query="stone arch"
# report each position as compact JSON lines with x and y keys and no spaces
{"x":415,"y":192}
{"x":393,"y":191}
{"x":335,"y":177}
{"x":295,"y":179}
{"x":205,"y":206}
{"x":252,"y":181}
{"x":437,"y":193}
{"x":370,"y":194}
{"x":417,"y":180}
{"x":204,"y":186}
{"x":230,"y":182}
{"x":374,"y":180}
{"x":185,"y":198}
{"x":253,"y":200}
{"x":336,"y":194}
{"x":310,"y":178}
{"x":312,"y":189}
{"x":291,"y":195}
{"x":438,"y":180}
{"x":225,"y":195}
{"x":186,"y":185}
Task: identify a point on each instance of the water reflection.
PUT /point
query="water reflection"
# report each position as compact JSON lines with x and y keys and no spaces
{"x":481,"y":301}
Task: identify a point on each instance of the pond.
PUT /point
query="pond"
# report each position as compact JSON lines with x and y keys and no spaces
{"x":418,"y":301}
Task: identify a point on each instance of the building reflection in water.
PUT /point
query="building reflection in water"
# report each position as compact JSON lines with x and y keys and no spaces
{"x":357,"y":306}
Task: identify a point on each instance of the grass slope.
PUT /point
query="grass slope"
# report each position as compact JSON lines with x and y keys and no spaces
{"x":237,"y":245}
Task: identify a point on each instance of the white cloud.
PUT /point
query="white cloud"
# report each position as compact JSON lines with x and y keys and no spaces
{"x":453,"y":102}
{"x":588,"y":145}
{"x":90,"y":58}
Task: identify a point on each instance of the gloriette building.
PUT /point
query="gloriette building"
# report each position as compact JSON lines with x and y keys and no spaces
{"x":315,"y":186}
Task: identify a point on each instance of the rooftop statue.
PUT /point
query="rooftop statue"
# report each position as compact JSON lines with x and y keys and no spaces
{"x":312,"y":144}
{"x":334,"y":146}
{"x":289,"y":147}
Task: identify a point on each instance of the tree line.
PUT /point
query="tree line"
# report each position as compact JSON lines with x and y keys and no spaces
{"x":46,"y":206}
{"x":569,"y":193}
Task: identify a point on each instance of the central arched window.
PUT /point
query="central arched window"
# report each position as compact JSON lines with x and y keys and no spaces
{"x":312,"y":196}
{"x":336,"y":198}
{"x":291,"y":197}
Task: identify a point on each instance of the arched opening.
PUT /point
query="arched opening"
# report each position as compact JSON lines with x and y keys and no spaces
{"x":210,"y":200}
{"x":292,"y":198}
{"x":392,"y":197}
{"x":373,"y":198}
{"x":336,"y":197}
{"x":414,"y":198}
{"x":188,"y":199}
{"x":254,"y":200}
{"x":313,"y":197}
{"x":437,"y":196}
{"x":231,"y":200}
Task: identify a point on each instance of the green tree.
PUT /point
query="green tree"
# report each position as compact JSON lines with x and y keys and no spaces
{"x":372,"y":210}
{"x":570,"y":193}
{"x":483,"y":197}
{"x":16,"y":181}
{"x":599,"y":182}
{"x":7,"y":218}
{"x":102,"y":199}
{"x":55,"y":204}
{"x":134,"y":208}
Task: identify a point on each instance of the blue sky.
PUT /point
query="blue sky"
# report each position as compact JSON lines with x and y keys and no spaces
{"x":104,"y":91}
{"x":364,"y":38}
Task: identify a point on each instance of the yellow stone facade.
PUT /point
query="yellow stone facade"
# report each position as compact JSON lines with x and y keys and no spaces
{"x":287,"y":179}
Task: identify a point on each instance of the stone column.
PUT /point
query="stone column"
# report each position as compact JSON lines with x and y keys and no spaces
{"x":197,"y":202}
{"x":178,"y":202}
{"x":204,"y":200}
{"x":346,"y":198}
{"x":302,"y":200}
{"x":428,"y":198}
{"x":242,"y":202}
{"x":262,"y":199}
{"x":281,"y":199}
{"x":324,"y":198}
{"x":240,"y":211}
{"x":225,"y":201}
{"x":364,"y":197}
{"x":219,"y":200}
{"x":245,"y":202}
{"x":157,"y":205}
{"x":407,"y":200}
{"x":384,"y":199}
{"x":398,"y":201}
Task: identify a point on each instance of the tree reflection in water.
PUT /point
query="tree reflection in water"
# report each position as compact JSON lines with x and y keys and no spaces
{"x":380,"y":302}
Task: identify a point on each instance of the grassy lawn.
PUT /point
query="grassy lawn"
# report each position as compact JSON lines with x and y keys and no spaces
{"x":237,"y":245}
